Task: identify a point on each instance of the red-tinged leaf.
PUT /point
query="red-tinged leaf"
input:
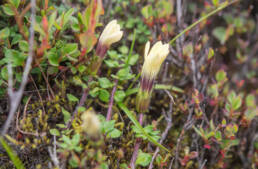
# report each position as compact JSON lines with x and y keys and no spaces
{"x":88,"y":40}
{"x":185,"y":160}
{"x":240,"y":83}
{"x":207,"y":146}
{"x":45,"y":24}
{"x":222,"y":152}
{"x":83,"y":52}
{"x":44,"y":43}
{"x":61,"y":67}
{"x":193,"y":155}
{"x":91,"y":15}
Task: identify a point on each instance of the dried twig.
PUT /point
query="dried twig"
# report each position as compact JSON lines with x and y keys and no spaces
{"x":15,"y":96}
{"x":53,"y":154}
{"x":168,"y":117}
{"x":24,"y":114}
{"x":186,"y":127}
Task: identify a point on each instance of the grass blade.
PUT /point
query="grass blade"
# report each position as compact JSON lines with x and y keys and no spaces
{"x":137,"y":124}
{"x":222,"y":6}
{"x":15,"y":159}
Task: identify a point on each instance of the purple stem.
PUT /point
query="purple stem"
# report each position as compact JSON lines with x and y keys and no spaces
{"x":110,"y":105}
{"x":137,"y":145}
{"x":81,"y":103}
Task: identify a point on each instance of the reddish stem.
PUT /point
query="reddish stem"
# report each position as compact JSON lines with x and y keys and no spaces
{"x":110,"y":105}
{"x":136,"y":146}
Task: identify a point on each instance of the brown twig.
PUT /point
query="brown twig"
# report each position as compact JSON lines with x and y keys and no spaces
{"x":110,"y":105}
{"x":186,"y":127}
{"x":41,"y":100}
{"x":168,"y":118}
{"x":19,"y":19}
{"x":18,"y":126}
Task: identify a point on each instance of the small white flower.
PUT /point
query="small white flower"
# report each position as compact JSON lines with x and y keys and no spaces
{"x":111,"y":34}
{"x":154,"y":58}
{"x":91,"y":123}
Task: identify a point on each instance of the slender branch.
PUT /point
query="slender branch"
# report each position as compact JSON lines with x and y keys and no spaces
{"x":110,"y":105}
{"x":224,"y":5}
{"x":81,"y":103}
{"x":15,"y":97}
{"x":53,"y":154}
{"x":168,"y":118}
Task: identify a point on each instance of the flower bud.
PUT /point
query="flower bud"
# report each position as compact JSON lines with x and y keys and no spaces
{"x":111,"y":34}
{"x":91,"y":123}
{"x":152,"y":61}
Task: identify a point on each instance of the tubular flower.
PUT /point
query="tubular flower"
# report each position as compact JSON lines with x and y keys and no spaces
{"x":153,"y":58}
{"x":110,"y":35}
{"x":90,"y":123}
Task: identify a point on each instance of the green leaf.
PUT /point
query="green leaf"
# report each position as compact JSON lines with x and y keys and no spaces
{"x":220,"y":34}
{"x":123,"y":49}
{"x":107,"y":126}
{"x":119,"y":95}
{"x":113,"y":54}
{"x":236,"y":103}
{"x":67,"y":16}
{"x":67,"y":115}
{"x":215,"y":2}
{"x":146,"y":11}
{"x":149,"y":130}
{"x":104,"y":166}
{"x":16,"y":3}
{"x":82,"y":68}
{"x":115,"y":133}
{"x":54,"y":132}
{"x":70,"y":48}
{"x":8,"y":9}
{"x":4,"y":73}
{"x":53,"y":57}
{"x":16,"y":58}
{"x":133,"y":59}
{"x":198,"y":131}
{"x":52,"y":20}
{"x":76,"y":139}
{"x":12,"y":155}
{"x":94,"y":92}
{"x":104,"y":95}
{"x":218,"y":135}
{"x":16,"y":39}
{"x":72,"y":98}
{"x":143,"y":159}
{"x":4,"y":33}
{"x":124,"y":74}
{"x":231,"y":96}
{"x":250,"y":100}
{"x":211,"y":53}
{"x":137,"y":124}
{"x":24,"y":46}
{"x":73,"y":162}
{"x":221,"y":76}
{"x":112,"y":63}
{"x":104,"y":83}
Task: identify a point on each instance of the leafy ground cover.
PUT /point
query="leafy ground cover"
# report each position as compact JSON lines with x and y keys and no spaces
{"x":79,"y":106}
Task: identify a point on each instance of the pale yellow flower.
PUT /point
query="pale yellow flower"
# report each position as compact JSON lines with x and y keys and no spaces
{"x":91,"y":123}
{"x":111,"y":33}
{"x":154,"y":58}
